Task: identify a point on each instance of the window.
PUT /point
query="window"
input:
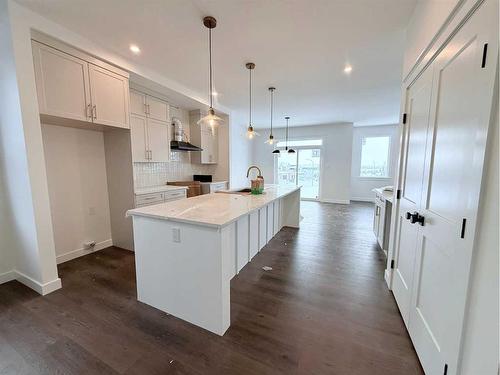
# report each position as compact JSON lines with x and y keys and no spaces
{"x":375,"y":157}
{"x":300,"y":143}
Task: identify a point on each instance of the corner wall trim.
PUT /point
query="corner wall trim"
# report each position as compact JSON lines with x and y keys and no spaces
{"x":40,"y":288}
{"x":81,"y":252}
{"x":7,"y":276}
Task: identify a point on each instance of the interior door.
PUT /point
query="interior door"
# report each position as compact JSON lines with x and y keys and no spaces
{"x":109,"y":92}
{"x":62,"y":83}
{"x":418,"y":103}
{"x":138,"y":138}
{"x":158,"y":140}
{"x":459,"y":123}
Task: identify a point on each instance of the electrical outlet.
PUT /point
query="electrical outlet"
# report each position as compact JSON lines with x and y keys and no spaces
{"x":176,"y":234}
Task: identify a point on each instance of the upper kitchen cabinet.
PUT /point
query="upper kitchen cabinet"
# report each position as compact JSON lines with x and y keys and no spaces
{"x":206,"y":138}
{"x":149,"y":128}
{"x":109,"y":96}
{"x":148,"y":106}
{"x":62,"y":83}
{"x":74,"y":86}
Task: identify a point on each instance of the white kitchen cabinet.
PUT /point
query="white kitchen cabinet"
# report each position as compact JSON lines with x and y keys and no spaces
{"x":203,"y":136}
{"x":158,"y":140}
{"x":270,"y":221}
{"x":62,"y":83}
{"x":109,"y":97}
{"x":139,"y":138}
{"x":253,"y":236}
{"x":150,"y":137}
{"x":149,"y":199}
{"x":146,"y":105}
{"x":262,"y":227}
{"x":276,"y":216}
{"x":70,"y":87}
{"x":382,"y":217}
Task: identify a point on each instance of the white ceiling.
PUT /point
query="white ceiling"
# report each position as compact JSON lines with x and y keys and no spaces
{"x":298,"y":46}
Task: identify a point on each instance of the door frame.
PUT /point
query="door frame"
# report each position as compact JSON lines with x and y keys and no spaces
{"x":296,"y":148}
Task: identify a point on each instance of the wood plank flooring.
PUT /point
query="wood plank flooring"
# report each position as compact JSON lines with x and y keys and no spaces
{"x":323,"y":309}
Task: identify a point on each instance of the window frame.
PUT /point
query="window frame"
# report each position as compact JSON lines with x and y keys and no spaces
{"x":389,"y":161}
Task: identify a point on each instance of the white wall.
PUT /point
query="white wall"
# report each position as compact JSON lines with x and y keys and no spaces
{"x":361,"y":187}
{"x":78,"y":190}
{"x":240,"y":152}
{"x":22,"y":162}
{"x":426,"y":20}
{"x":336,"y":156}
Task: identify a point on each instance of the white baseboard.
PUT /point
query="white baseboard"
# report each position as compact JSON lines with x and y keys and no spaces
{"x":7,"y":276}
{"x":336,"y":201}
{"x":387,"y":277}
{"x":81,"y":252}
{"x":40,"y":288}
{"x":358,"y":199}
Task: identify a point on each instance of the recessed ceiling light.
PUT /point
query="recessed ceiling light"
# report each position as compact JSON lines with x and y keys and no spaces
{"x":135,"y":49}
{"x":348,"y":69}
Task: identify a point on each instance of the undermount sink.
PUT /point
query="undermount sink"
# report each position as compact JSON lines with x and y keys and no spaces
{"x":244,"y":191}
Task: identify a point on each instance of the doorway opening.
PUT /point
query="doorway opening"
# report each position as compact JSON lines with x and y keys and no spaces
{"x":302,"y":168}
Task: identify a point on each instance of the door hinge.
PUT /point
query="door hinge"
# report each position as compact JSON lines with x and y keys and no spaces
{"x":485,"y":53}
{"x":445,"y":371}
{"x":462,"y":232}
{"x":392,"y":264}
{"x":398,"y":194}
{"x":404,"y":118}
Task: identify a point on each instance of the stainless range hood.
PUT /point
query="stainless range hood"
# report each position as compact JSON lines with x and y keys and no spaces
{"x":183,"y":146}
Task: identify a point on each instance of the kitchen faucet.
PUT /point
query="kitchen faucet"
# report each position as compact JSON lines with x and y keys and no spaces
{"x":252,"y":167}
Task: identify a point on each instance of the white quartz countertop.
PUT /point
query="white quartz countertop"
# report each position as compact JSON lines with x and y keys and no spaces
{"x":158,"y":189}
{"x":216,"y":210}
{"x":384,"y":193}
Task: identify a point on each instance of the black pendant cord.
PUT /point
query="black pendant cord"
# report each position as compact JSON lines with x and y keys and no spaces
{"x":272,"y":95}
{"x":210,"y":64}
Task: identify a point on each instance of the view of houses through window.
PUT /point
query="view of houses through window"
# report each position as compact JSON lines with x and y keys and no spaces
{"x":300,"y":168}
{"x":375,"y":157}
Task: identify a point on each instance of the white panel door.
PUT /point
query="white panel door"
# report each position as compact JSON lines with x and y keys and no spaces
{"x":262,"y":227}
{"x":110,"y":97}
{"x":276,"y":216}
{"x":270,"y":221}
{"x":460,"y":112}
{"x":137,"y":103}
{"x":157,"y":109}
{"x":253,"y":234}
{"x":158,"y":140}
{"x":138,"y":138}
{"x":62,"y":83}
{"x":417,"y":108}
{"x":242,"y":242}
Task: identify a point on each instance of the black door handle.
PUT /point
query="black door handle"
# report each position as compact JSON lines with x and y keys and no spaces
{"x":417,"y":218}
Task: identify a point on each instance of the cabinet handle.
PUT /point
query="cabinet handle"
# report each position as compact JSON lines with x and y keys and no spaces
{"x":94,"y":112}
{"x":89,"y":111}
{"x":149,"y":110}
{"x":145,"y":109}
{"x":150,"y":154}
{"x":146,"y":154}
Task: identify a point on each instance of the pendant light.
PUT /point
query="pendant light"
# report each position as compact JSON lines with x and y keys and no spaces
{"x":291,"y":150}
{"x":251,"y":133}
{"x":271,"y":140}
{"x":211,"y":119}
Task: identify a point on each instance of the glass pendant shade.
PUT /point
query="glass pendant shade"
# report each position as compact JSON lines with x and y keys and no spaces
{"x":211,"y":120}
{"x":251,"y":133}
{"x":271,"y":140}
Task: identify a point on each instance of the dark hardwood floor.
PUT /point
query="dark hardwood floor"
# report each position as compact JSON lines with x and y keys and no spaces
{"x":323,"y":309}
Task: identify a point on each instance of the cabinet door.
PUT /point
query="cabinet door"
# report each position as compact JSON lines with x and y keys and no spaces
{"x":262,"y":227}
{"x":157,"y":109}
{"x":270,"y":221}
{"x":62,"y":83}
{"x":158,"y":140}
{"x":138,"y":138}
{"x":381,"y":226}
{"x":110,"y":101}
{"x":137,"y":103}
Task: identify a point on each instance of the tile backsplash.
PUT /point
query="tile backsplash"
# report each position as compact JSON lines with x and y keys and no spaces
{"x":179,"y":168}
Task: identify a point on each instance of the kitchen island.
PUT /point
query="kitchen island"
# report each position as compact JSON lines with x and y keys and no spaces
{"x":187,"y":251}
